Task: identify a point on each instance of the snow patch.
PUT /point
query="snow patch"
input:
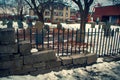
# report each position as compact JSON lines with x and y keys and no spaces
{"x":33,"y":50}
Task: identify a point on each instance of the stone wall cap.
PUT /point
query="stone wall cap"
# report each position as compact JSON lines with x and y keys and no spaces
{"x":7,"y":29}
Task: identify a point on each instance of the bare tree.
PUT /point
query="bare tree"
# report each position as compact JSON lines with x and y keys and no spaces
{"x":14,"y":7}
{"x":38,"y":7}
{"x":20,"y":6}
{"x":3,"y":7}
{"x":51,"y":7}
{"x":84,"y":6}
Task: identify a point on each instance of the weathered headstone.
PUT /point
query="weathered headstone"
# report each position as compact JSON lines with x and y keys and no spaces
{"x":39,"y":25}
{"x":29,"y":22}
{"x":106,"y":28}
{"x":93,"y":25}
{"x":97,"y":20}
{"x":4,"y":22}
{"x":59,"y":26}
{"x":38,"y":37}
{"x":7,"y":43}
{"x":7,"y":36}
{"x":20,"y":24}
{"x":10,"y":24}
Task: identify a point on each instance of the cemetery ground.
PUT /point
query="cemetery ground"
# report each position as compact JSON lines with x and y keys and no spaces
{"x":102,"y":70}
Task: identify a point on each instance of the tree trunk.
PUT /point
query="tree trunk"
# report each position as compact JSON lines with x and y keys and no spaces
{"x":52,"y":16}
{"x":40,"y":17}
{"x":40,"y":22}
{"x":21,"y":14}
{"x":81,"y":37}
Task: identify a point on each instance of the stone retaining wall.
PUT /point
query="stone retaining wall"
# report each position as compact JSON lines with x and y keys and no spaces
{"x":16,"y":60}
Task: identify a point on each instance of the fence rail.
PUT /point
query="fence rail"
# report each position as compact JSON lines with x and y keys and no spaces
{"x":68,"y":42}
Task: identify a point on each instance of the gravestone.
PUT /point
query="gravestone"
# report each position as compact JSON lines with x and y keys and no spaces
{"x":4,"y":22}
{"x":93,"y":25}
{"x":20,"y":24}
{"x":106,"y":28}
{"x":7,"y":36}
{"x":39,"y":25}
{"x":10,"y":24}
{"x":29,"y":22}
{"x":38,"y":37}
{"x":7,"y":43}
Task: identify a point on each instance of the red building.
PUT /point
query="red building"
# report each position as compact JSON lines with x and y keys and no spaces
{"x":109,"y":14}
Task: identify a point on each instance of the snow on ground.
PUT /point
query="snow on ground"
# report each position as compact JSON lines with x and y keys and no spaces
{"x":70,"y":26}
{"x":100,"y":71}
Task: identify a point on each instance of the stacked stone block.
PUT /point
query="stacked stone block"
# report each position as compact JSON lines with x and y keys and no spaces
{"x":16,"y":59}
{"x":8,"y":47}
{"x":8,"y":51}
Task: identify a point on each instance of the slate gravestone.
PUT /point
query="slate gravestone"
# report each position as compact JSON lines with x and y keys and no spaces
{"x":10,"y":24}
{"x":41,"y":34}
{"x":4,"y":22}
{"x":7,"y":42}
{"x":20,"y":24}
{"x":106,"y":28}
{"x":97,"y":21}
{"x":93,"y":25}
{"x":39,"y":25}
{"x":7,"y":36}
{"x":29,"y":22}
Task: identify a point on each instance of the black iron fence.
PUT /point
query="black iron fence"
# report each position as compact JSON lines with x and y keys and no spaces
{"x":68,"y":42}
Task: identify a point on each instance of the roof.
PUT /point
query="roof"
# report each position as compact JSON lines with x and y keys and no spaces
{"x":108,"y":10}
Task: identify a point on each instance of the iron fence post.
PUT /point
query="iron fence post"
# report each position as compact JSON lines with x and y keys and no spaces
{"x":63,"y":42}
{"x":24,"y":34}
{"x":58,"y":40}
{"x":53,"y":38}
{"x":67,"y":40}
{"x":18,"y":40}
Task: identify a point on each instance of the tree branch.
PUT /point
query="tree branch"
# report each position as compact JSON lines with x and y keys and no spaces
{"x":75,"y":1}
{"x":90,"y":2}
{"x":79,"y":4}
{"x":28,"y":3}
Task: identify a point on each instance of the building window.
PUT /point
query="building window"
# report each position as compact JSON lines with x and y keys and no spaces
{"x":47,"y":13}
{"x":56,"y":13}
{"x":60,"y":13}
{"x":66,"y":14}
